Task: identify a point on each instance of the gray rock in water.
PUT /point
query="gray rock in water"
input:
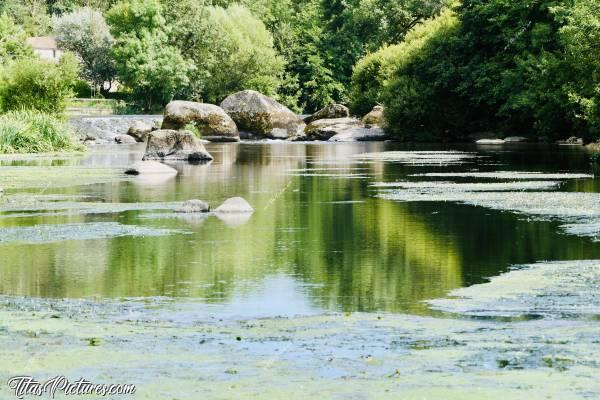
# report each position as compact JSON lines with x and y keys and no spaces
{"x":372,"y":134}
{"x":150,"y":168}
{"x":328,"y":112}
{"x":490,"y":141}
{"x":211,"y":120}
{"x":324,"y":129}
{"x":193,"y":206}
{"x":140,"y":130}
{"x":261,"y":115}
{"x":104,"y":129}
{"x":573,"y":140}
{"x":374,"y":117}
{"x":124,"y":139}
{"x":515,"y":139}
{"x":235,"y":205}
{"x":166,"y":144}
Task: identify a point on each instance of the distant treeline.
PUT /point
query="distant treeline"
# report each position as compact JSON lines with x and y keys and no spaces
{"x":442,"y":71}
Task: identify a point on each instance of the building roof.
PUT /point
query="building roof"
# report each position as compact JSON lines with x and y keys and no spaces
{"x":42,"y":42}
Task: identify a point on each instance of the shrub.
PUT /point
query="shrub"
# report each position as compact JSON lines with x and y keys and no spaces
{"x":420,"y":99}
{"x":374,"y":72}
{"x":371,"y":74}
{"x":34,"y":132}
{"x":35,"y":84}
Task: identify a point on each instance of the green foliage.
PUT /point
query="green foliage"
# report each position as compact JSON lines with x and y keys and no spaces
{"x":145,"y":61}
{"x":34,"y":132}
{"x":355,"y":27}
{"x":502,"y":66}
{"x":372,"y":74}
{"x":419,"y":98}
{"x":230,"y":48}
{"x":34,"y":84}
{"x":581,"y":37}
{"x":512,"y":68}
{"x":12,"y":40}
{"x":32,"y":15}
{"x":86,"y":33}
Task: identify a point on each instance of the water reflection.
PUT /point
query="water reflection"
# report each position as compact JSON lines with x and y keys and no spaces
{"x":315,"y":242}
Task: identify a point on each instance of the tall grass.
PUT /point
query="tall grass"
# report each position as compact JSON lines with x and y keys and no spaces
{"x":35,"y":132}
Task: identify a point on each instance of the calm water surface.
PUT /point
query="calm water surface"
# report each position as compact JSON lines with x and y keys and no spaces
{"x":319,"y":240}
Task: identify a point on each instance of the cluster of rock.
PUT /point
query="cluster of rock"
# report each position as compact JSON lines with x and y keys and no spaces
{"x":491,"y":140}
{"x":333,"y":123}
{"x":252,"y":115}
{"x":110,"y":129}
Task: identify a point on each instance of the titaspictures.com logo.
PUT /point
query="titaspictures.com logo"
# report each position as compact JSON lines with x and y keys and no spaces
{"x":23,"y":386}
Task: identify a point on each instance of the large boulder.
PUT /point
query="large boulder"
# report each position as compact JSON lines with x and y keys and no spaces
{"x":150,"y":168}
{"x":328,"y":112}
{"x":166,"y":144}
{"x":214,"y":123}
{"x":260,"y":115}
{"x":375,"y":117}
{"x":139,"y":130}
{"x":324,"y":129}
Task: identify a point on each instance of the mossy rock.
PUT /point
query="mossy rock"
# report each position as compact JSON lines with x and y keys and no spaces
{"x":260,"y":115}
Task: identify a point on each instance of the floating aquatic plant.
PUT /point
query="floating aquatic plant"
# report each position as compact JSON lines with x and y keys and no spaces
{"x":420,"y":157}
{"x":549,"y":289}
{"x":469,"y":187}
{"x":82,"y":231}
{"x":513,"y":175}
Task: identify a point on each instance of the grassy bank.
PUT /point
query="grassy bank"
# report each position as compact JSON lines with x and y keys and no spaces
{"x":35,"y":132}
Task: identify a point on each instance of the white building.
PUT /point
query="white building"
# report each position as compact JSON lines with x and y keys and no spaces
{"x":45,"y":47}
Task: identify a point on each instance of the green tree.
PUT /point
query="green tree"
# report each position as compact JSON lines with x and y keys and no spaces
{"x":356,"y":27}
{"x":581,"y":37}
{"x":145,"y":60}
{"x":86,"y":33}
{"x":230,"y":48}
{"x":512,"y":69}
